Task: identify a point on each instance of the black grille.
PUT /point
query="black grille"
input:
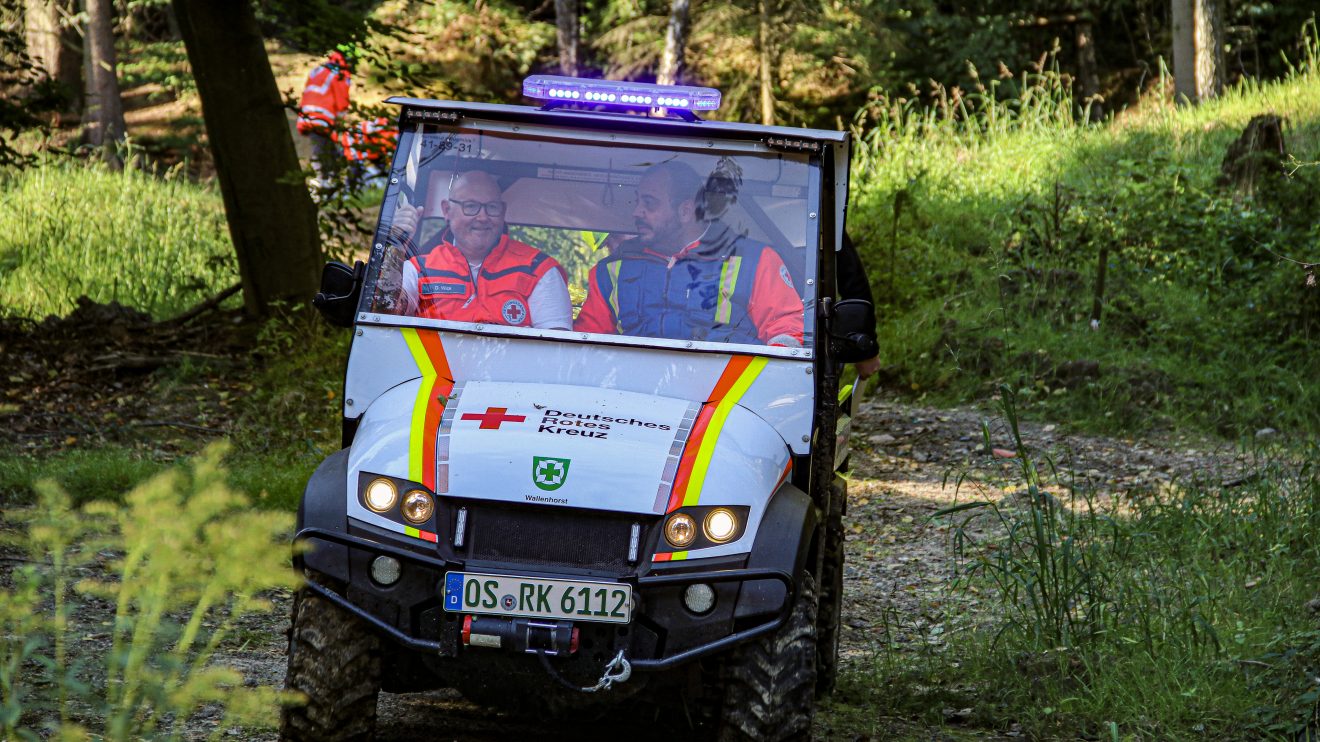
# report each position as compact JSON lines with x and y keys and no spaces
{"x":549,"y":537}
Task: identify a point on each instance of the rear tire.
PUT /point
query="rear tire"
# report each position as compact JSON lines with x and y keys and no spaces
{"x":770,"y":682}
{"x":334,"y":660}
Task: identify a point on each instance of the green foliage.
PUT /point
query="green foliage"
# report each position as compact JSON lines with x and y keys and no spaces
{"x":163,"y":63}
{"x":1174,"y":612}
{"x":289,"y":422}
{"x":459,"y":50}
{"x":191,"y":559}
{"x":985,"y":220}
{"x":69,"y":229}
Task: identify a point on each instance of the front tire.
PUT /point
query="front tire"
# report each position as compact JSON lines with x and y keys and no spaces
{"x":334,"y":660}
{"x":770,"y":682}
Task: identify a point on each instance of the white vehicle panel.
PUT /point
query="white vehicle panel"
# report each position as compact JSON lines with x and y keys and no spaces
{"x":557,"y":444}
{"x":781,"y":394}
{"x":381,"y":447}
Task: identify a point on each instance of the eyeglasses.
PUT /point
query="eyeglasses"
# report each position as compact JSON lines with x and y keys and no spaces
{"x":472,"y":208}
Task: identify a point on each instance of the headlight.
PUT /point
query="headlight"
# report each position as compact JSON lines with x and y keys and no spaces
{"x":381,"y":495}
{"x":417,"y":507}
{"x":680,"y":530}
{"x":720,"y":525}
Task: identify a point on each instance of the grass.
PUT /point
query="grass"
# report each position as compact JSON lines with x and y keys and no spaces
{"x":1184,"y":611}
{"x":984,"y":223}
{"x":179,"y":587}
{"x":69,"y":229}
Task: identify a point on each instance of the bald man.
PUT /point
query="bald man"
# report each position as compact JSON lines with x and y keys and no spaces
{"x":478,"y":273}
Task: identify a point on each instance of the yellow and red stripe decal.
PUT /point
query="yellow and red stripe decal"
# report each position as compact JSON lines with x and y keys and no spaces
{"x":418,"y":533}
{"x":737,"y":378}
{"x":437,"y":383}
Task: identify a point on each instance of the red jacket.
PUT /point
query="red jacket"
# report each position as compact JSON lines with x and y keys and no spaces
{"x":325,"y":96}
{"x":446,"y":290}
{"x":723,"y":288}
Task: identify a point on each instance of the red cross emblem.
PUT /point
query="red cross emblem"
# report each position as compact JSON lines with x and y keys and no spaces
{"x":493,"y":417}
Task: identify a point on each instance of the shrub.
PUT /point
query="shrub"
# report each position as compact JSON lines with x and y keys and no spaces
{"x":190,"y":558}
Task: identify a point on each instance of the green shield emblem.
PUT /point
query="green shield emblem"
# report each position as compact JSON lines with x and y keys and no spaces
{"x":549,"y":473}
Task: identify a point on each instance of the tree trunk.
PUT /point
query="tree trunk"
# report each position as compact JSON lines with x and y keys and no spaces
{"x":1198,"y":55}
{"x":272,"y":219}
{"x":566,"y":23}
{"x":1086,"y":71}
{"x":54,"y":46}
{"x":767,"y":81}
{"x":103,"y":118}
{"x":672,"y":69}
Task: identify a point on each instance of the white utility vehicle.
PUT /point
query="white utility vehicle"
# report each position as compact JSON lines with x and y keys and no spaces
{"x":642,"y":507}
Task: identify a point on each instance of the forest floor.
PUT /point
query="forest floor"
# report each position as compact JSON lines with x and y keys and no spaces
{"x":908,"y":461}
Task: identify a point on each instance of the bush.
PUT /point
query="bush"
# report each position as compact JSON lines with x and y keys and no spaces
{"x":190,"y":559}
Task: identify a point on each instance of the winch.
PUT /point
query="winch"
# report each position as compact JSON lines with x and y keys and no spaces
{"x":529,"y":635}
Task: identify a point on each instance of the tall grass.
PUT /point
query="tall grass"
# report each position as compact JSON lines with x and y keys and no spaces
{"x":69,"y":228}
{"x":985,"y":221}
{"x":190,"y":560}
{"x":1172,"y":613}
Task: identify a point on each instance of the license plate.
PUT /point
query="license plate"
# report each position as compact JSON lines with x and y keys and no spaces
{"x":504,"y":595}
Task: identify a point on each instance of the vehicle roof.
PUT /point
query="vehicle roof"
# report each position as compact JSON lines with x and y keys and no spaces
{"x":613,"y":120}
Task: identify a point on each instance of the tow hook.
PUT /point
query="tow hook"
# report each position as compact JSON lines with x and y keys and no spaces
{"x":618,"y":670}
{"x":528,"y":635}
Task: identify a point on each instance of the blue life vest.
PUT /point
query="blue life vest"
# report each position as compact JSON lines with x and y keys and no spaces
{"x":703,"y":296}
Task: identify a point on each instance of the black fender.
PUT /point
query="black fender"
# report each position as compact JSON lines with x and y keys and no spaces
{"x":783,"y":542}
{"x":324,"y":505}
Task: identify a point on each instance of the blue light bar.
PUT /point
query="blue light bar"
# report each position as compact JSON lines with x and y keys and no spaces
{"x":557,"y":89}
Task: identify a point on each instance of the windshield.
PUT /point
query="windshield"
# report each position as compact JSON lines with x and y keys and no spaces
{"x":621,"y":235}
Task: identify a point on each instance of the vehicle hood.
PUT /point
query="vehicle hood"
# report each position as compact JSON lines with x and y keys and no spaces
{"x":562,"y":445}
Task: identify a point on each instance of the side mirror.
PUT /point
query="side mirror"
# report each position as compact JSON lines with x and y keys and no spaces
{"x":852,"y":331}
{"x":341,"y":288}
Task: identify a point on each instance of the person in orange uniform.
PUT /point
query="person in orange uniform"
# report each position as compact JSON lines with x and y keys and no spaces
{"x":478,"y":273}
{"x":324,"y":101}
{"x":367,"y":146}
{"x":689,"y":278}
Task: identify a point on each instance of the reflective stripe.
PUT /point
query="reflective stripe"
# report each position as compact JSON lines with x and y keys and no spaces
{"x":737,"y":377}
{"x":437,"y":383}
{"x":308,"y":108}
{"x":722,"y":410}
{"x":319,"y":87}
{"x":613,"y":269}
{"x":728,"y":282}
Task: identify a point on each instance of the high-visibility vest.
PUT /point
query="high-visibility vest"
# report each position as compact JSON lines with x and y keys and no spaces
{"x":500,"y":292}
{"x":702,"y":293}
{"x":368,"y":140}
{"x":325,"y":96}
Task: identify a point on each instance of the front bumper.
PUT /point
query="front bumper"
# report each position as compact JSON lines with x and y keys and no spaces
{"x":689,"y":637}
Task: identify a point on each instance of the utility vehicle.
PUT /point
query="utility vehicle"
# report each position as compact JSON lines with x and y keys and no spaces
{"x":562,"y":520}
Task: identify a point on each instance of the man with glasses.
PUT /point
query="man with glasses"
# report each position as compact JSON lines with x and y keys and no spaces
{"x":478,"y":273}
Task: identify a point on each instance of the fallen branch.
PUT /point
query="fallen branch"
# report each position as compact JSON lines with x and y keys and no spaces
{"x":173,"y":424}
{"x":203,"y":307}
